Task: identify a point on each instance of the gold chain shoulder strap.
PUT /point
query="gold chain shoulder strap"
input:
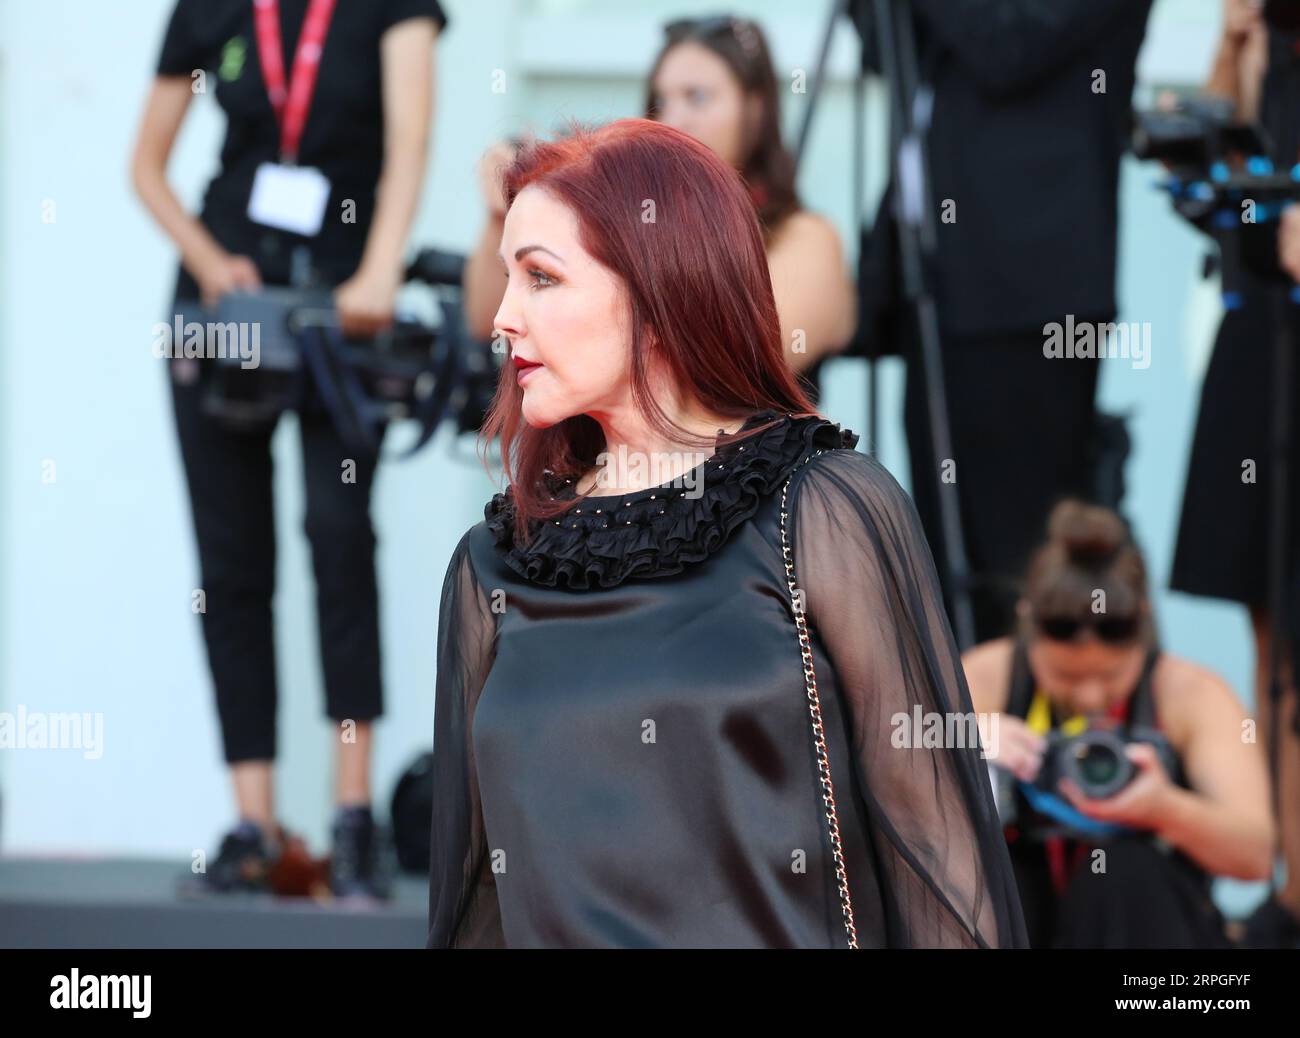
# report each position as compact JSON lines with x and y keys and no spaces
{"x":815,"y":713}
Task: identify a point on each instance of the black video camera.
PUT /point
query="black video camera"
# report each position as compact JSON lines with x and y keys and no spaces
{"x":1191,"y":137}
{"x":281,"y":349}
{"x":1222,"y":180}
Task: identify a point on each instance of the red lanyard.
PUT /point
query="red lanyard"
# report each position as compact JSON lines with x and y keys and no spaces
{"x":292,"y":102}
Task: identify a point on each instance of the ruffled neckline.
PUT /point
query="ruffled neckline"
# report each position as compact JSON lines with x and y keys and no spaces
{"x":657,"y":532}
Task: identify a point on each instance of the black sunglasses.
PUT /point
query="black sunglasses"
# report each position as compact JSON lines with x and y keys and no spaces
{"x":712,"y":26}
{"x":1110,"y":629}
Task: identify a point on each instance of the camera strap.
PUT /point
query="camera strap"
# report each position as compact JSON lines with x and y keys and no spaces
{"x":335,"y":374}
{"x":433,"y":407}
{"x":340,"y":391}
{"x":1061,"y":810}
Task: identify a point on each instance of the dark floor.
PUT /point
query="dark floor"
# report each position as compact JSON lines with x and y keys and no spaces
{"x":131,"y":903}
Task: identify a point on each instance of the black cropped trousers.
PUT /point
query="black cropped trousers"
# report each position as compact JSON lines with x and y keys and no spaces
{"x":229,"y":477}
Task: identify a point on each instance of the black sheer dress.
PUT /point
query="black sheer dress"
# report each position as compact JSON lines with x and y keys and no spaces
{"x":622,"y":747}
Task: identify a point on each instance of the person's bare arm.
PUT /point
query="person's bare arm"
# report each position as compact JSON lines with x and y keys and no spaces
{"x":1288,"y":241}
{"x":484,"y":283}
{"x":1008,"y":742}
{"x":814,"y":294}
{"x":1224,"y":821}
{"x":1254,"y":64}
{"x":215,"y":270}
{"x":484,"y":280}
{"x":1224,"y":79}
{"x":986,"y":666}
{"x":1241,"y":58}
{"x":365,"y":301}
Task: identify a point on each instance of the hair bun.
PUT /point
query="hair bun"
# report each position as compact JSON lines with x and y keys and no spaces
{"x":1090,"y":534}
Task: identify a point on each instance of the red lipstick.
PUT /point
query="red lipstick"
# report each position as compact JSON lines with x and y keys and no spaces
{"x":524,"y":367}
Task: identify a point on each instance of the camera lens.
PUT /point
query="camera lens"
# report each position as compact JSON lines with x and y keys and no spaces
{"x":1098,"y":764}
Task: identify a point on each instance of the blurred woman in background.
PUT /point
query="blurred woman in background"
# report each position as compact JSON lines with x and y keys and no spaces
{"x":713,"y":79}
{"x":1075,"y":667}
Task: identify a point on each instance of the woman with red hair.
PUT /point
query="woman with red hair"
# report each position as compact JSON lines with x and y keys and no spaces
{"x":680,"y":657}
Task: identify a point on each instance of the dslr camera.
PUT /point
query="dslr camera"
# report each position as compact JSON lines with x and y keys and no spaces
{"x":1095,"y":760}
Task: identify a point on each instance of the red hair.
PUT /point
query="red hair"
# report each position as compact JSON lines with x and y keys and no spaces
{"x":697,"y":283}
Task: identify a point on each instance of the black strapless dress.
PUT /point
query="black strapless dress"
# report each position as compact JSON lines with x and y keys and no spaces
{"x":622,"y":749}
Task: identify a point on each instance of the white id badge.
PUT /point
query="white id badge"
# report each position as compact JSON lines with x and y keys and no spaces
{"x":292,"y":198}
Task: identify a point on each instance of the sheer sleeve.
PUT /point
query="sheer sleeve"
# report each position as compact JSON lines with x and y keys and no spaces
{"x":871,"y":594}
{"x":463,"y":907}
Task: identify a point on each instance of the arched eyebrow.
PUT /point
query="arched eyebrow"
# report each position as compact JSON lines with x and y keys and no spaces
{"x":524,"y":250}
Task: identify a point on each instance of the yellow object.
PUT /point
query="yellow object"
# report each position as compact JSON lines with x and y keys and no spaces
{"x":1039,"y":717}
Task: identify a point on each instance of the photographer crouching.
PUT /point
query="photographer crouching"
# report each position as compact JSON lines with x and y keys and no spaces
{"x":1127,"y":778}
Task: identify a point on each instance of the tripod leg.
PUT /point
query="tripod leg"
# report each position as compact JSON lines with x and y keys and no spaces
{"x":897,"y":48}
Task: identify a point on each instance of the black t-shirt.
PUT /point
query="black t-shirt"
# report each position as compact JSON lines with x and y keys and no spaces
{"x":343,"y":136}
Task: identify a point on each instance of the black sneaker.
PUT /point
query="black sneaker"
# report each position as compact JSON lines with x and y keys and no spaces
{"x":1272,"y":926}
{"x":359,"y":866}
{"x":242,"y":865}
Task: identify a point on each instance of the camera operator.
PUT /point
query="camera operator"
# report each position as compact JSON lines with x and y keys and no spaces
{"x":1223,"y":536}
{"x":1030,"y":115}
{"x":1072,"y":667}
{"x":713,"y":79}
{"x":328,"y":111}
